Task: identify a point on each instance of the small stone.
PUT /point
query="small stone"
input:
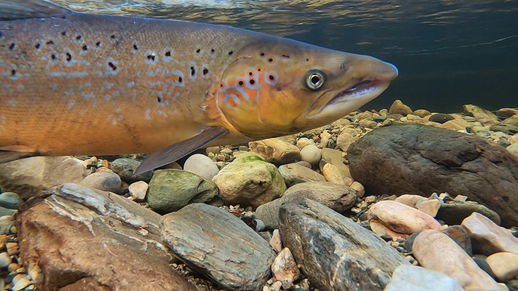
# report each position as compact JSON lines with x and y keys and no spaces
{"x":506,"y":112}
{"x":104,"y":181}
{"x":455,"y":124}
{"x":332,"y":174}
{"x":365,"y":123}
{"x":304,"y":164}
{"x":201,"y":165}
{"x":422,"y":113}
{"x":345,"y":138}
{"x":20,"y":282}
{"x":284,"y":268}
{"x":303,"y":142}
{"x":481,"y":262}
{"x":6,"y":211}
{"x":461,"y":198}
{"x":214,"y":150}
{"x":5,"y":260}
{"x":336,"y":158}
{"x":138,"y":190}
{"x":311,"y":154}
{"x":275,"y":150}
{"x":6,"y":223}
{"x":276,"y":286}
{"x":504,"y":265}
{"x":125,"y":167}
{"x":13,"y":267}
{"x":489,"y":238}
{"x":360,"y":190}
{"x":440,"y":118}
{"x":10,"y":200}
{"x":324,"y":138}
{"x":399,"y":108}
{"x":275,"y":241}
{"x":410,"y":278}
{"x":295,"y":173}
{"x":430,"y":207}
{"x":12,"y":248}
{"x":513,"y":149}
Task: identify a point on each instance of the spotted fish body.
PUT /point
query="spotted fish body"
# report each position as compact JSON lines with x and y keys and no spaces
{"x":79,"y":83}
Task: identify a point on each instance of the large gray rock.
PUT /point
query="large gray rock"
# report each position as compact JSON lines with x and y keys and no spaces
{"x":170,"y":190}
{"x":77,"y":233}
{"x":421,"y":159}
{"x":30,"y":176}
{"x":219,"y":245}
{"x":337,"y":197}
{"x":335,"y":252}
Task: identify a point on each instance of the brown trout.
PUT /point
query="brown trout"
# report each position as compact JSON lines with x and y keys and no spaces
{"x":77,"y":83}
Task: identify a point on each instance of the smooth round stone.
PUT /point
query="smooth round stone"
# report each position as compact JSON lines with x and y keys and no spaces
{"x":10,"y":200}
{"x":201,"y":165}
{"x":5,"y":260}
{"x":504,"y":265}
{"x":422,"y":112}
{"x":138,"y":190}
{"x":303,"y":142}
{"x":105,"y":181}
{"x":311,"y":154}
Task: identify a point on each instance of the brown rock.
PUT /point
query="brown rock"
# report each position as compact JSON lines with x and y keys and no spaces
{"x":410,"y":199}
{"x":489,"y":238}
{"x":422,"y":113}
{"x":504,"y":265}
{"x":399,"y":108}
{"x":276,"y":150}
{"x":484,"y":116}
{"x":82,"y":237}
{"x":295,"y":173}
{"x":430,"y":207}
{"x":333,"y":175}
{"x":284,"y":268}
{"x":436,"y":251}
{"x":459,"y":234}
{"x":336,"y":158}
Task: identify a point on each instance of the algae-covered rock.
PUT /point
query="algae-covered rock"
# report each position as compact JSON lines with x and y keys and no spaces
{"x":484,"y":116}
{"x":250,"y":180}
{"x":172,"y":189}
{"x":124,"y":167}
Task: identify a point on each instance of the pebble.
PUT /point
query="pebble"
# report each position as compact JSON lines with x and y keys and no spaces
{"x":325,"y":137}
{"x":138,"y":190}
{"x":104,"y":181}
{"x":489,"y":238}
{"x":332,"y":174}
{"x":311,"y":154}
{"x":5,"y":260}
{"x":422,"y":113}
{"x":294,"y":173}
{"x":275,"y":150}
{"x":399,"y":108}
{"x":504,"y":265}
{"x":303,"y":142}
{"x":360,"y":189}
{"x":275,"y":241}
{"x":20,"y":282}
{"x":513,"y":149}
{"x":440,"y":118}
{"x":411,"y":278}
{"x":454,"y":212}
{"x":458,"y":234}
{"x":336,"y":158}
{"x":10,"y":200}
{"x":344,"y":139}
{"x":284,"y":268}
{"x":124,"y":167}
{"x":201,"y":165}
{"x":12,"y":248}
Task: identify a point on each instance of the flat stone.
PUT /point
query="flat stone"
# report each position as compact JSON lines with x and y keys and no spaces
{"x":333,"y":175}
{"x":335,"y":252}
{"x":436,"y":251}
{"x":311,"y":154}
{"x":504,"y":265}
{"x":7,"y":211}
{"x":170,"y":190}
{"x":454,"y":212}
{"x":489,"y":238}
{"x":506,"y":112}
{"x":421,"y":160}
{"x":275,"y":150}
{"x":125,"y":167}
{"x":337,"y":197}
{"x":29,"y":176}
{"x":249,"y":180}
{"x":440,"y":118}
{"x":430,"y":207}
{"x":402,"y":220}
{"x":104,"y":181}
{"x":219,"y":245}
{"x":336,"y":158}
{"x":201,"y":165}
{"x":138,"y":190}
{"x":10,"y":200}
{"x":413,"y":278}
{"x":399,"y":108}
{"x":295,"y":173}
{"x":284,"y":268}
{"x":77,"y":232}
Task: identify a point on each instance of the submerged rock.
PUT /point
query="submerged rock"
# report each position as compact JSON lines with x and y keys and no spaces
{"x":412,"y":278}
{"x":489,"y":238}
{"x":219,"y":245}
{"x":104,"y":181}
{"x":421,"y":159}
{"x":295,"y":173}
{"x":276,"y":150}
{"x":10,"y":200}
{"x":201,"y":165}
{"x":399,"y":108}
{"x":124,"y":167}
{"x":454,"y":212}
{"x":504,"y":265}
{"x":335,"y":252}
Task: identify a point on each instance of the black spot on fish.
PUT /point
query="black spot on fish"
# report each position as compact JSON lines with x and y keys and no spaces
{"x":167,"y":53}
{"x":85,"y":47}
{"x":112,"y":36}
{"x":205,"y":71}
{"x":159,"y":99}
{"x":112,"y":66}
{"x":50,"y":42}
{"x":98,"y":44}
{"x":53,"y":56}
{"x":63,"y":33}
{"x":37,"y":46}
{"x":307,"y":60}
{"x":180,"y":80}
{"x":151,"y":58}
{"x":261,"y":54}
{"x":241,"y":83}
{"x":250,"y":73}
{"x":12,"y":46}
{"x":252,"y":81}
{"x":258,"y":69}
{"x":193,"y":71}
{"x":13,"y":72}
{"x":230,"y":53}
{"x":78,"y":37}
{"x":68,"y":57}
{"x":212,"y":50}
{"x":271,"y":77}
{"x":221,"y":85}
{"x":270,"y":60}
{"x":135,"y":47}
{"x":286,"y":56}
{"x":198,"y":51}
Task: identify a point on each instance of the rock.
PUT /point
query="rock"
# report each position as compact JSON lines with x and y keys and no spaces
{"x":399,"y":220}
{"x":484,"y":116}
{"x":488,"y":238}
{"x":5,"y":260}
{"x":337,"y":197}
{"x":436,"y":251}
{"x":124,"y":167}
{"x":295,"y":173}
{"x":10,"y":200}
{"x":311,"y":154}
{"x":481,"y":262}
{"x":29,"y":176}
{"x":506,"y":128}
{"x":454,"y":212}
{"x":412,"y":278}
{"x":325,"y":137}
{"x":6,"y":211}
{"x":421,"y":160}
{"x":219,"y":245}
{"x":201,"y":165}
{"x":21,"y":283}
{"x":455,"y":125}
{"x":275,"y":241}
{"x":513,"y":150}
{"x":104,"y":181}
{"x":506,"y":112}
{"x":249,"y":180}
{"x":459,"y":235}
{"x":440,"y":118}
{"x":345,"y":138}
{"x":275,"y":150}
{"x":360,"y":190}
{"x":334,"y":157}
{"x":170,"y":190}
{"x":303,"y":142}
{"x":430,"y":207}
{"x":138,"y":190}
{"x":284,"y":268}
{"x":422,"y":113}
{"x":76,"y":233}
{"x":410,"y":199}
{"x":6,"y":224}
{"x":399,"y":108}
{"x":504,"y":265}
{"x":333,"y":175}
{"x":335,"y":252}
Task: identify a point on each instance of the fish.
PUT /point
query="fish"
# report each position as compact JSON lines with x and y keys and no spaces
{"x":78,"y":83}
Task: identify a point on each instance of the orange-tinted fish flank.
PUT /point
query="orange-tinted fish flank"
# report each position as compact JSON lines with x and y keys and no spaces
{"x":93,"y":84}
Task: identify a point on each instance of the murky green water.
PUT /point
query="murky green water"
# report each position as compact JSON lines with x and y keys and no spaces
{"x":449,"y":52}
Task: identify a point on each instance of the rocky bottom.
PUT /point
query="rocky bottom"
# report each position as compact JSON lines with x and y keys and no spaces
{"x":393,"y":199}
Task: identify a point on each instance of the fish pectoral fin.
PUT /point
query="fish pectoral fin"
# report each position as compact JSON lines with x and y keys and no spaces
{"x":8,"y":156}
{"x":178,"y":150}
{"x":30,"y":9}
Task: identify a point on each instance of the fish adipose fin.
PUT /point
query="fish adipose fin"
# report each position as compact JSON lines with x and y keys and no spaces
{"x":10,"y":9}
{"x":178,"y":150}
{"x":7,"y":156}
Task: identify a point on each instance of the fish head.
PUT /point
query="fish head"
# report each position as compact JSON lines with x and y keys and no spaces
{"x":278,"y":87}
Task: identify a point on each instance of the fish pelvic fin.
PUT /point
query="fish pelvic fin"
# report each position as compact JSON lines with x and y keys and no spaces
{"x":10,"y":10}
{"x":8,"y":156}
{"x":178,"y":150}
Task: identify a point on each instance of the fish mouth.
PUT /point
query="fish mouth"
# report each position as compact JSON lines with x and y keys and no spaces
{"x":362,"y":89}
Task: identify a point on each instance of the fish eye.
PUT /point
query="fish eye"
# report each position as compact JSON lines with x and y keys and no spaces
{"x":315,"y":79}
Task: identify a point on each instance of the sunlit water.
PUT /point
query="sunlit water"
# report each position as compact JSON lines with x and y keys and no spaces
{"x":449,"y":52}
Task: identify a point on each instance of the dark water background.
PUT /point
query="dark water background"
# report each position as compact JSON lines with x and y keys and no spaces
{"x":449,"y":53}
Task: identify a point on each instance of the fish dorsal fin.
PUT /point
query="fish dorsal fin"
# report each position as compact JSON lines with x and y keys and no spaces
{"x":10,"y":9}
{"x":178,"y":150}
